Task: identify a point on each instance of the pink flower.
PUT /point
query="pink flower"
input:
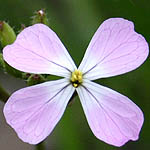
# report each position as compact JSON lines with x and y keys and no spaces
{"x":34,"y":111}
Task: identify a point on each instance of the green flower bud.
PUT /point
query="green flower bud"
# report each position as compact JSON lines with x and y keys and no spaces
{"x":25,"y":75}
{"x":35,"y":79}
{"x":40,"y":17}
{"x":7,"y":34}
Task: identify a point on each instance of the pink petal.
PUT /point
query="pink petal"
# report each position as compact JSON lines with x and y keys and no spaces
{"x":113,"y":118}
{"x":37,"y":49}
{"x":114,"y":49}
{"x":34,"y":111}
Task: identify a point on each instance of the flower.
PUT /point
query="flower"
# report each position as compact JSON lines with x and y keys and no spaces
{"x":34,"y":111}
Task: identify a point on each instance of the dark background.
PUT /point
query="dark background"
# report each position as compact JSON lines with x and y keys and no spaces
{"x":75,"y":22}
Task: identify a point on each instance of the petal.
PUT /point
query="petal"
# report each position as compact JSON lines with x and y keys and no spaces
{"x":34,"y":111}
{"x":37,"y":49}
{"x":113,"y":118}
{"x":114,"y":49}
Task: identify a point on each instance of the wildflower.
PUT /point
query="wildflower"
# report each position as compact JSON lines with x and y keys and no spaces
{"x":34,"y":111}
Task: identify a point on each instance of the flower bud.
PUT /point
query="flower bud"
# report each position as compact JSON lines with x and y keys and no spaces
{"x":40,"y":17}
{"x":35,"y":79}
{"x":25,"y":75}
{"x":7,"y":34}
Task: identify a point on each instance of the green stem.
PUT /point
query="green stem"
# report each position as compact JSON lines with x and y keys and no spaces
{"x":40,"y":146}
{"x":3,"y":94}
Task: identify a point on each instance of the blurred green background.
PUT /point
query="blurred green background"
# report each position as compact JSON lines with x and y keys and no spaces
{"x":75,"y":22}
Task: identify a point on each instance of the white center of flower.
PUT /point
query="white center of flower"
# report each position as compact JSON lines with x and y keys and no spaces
{"x":76,"y":78}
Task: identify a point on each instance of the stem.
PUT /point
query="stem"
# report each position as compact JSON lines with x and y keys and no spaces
{"x":40,"y":146}
{"x":3,"y":94}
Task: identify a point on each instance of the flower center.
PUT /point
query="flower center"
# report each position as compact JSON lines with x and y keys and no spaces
{"x":76,"y":78}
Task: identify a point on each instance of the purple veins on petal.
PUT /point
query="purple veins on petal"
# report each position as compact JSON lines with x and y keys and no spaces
{"x":34,"y":111}
{"x":38,"y":50}
{"x":112,"y":117}
{"x":114,"y":49}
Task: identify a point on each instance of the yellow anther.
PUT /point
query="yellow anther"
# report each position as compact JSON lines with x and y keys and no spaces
{"x":76,"y":78}
{"x":75,"y":85}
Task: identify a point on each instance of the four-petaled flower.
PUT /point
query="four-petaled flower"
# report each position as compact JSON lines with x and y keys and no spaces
{"x":34,"y":111}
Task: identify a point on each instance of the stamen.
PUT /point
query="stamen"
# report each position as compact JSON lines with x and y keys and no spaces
{"x":76,"y":78}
